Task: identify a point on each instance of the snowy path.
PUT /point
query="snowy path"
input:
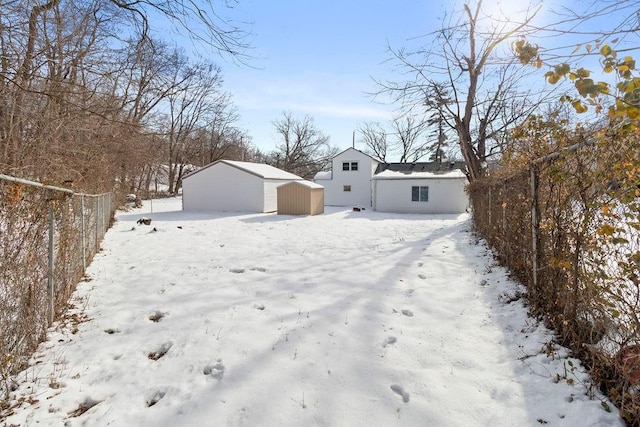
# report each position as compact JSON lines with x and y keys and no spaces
{"x":343,"y":319}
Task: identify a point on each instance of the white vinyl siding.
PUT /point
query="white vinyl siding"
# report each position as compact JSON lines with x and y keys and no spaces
{"x":440,"y":195}
{"x":223,"y":188}
{"x":229,"y":187}
{"x":271,"y":194}
{"x":350,"y":183}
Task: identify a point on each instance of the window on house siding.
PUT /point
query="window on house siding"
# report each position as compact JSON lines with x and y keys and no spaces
{"x":346,"y":188}
{"x":349,"y":166}
{"x":419,"y":194}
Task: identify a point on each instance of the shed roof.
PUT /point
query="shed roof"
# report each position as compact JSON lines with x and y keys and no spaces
{"x":305,"y":183}
{"x":259,"y":169}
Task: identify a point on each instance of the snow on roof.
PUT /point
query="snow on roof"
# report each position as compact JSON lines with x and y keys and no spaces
{"x":361,"y":152}
{"x":259,"y":169}
{"x":323,"y":175}
{"x":262,"y":170}
{"x":421,"y":166}
{"x":389,"y":174}
{"x":305,"y":183}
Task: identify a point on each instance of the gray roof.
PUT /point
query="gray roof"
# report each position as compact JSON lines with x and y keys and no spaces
{"x":433,"y":167}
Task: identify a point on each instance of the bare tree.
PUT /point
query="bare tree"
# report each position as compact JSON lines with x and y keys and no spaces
{"x":407,"y":131}
{"x":374,"y":137}
{"x":304,"y":150}
{"x":200,"y":20}
{"x":189,"y":110}
{"x":486,"y":98}
{"x":220,"y":138}
{"x":75,"y":71}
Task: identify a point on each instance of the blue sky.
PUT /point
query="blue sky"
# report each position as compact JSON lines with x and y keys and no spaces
{"x":319,"y":58}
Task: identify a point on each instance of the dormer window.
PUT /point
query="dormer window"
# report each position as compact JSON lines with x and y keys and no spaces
{"x":349,"y":166}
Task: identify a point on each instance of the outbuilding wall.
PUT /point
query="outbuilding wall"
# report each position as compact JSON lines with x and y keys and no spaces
{"x":222,"y":187}
{"x":317,"y":201}
{"x":298,"y":199}
{"x":446,"y":195}
{"x":271,"y":194}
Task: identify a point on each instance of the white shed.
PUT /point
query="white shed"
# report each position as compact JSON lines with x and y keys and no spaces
{"x":227,"y":185}
{"x":420,"y":192}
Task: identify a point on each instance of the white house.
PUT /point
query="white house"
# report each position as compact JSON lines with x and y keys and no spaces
{"x":227,"y":185}
{"x":348,"y":183}
{"x":426,"y":189}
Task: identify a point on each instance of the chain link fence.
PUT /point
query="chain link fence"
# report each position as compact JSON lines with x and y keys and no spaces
{"x":568,"y":227}
{"x":48,"y":236}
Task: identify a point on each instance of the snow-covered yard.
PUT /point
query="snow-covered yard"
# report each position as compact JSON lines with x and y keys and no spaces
{"x":342,"y":319}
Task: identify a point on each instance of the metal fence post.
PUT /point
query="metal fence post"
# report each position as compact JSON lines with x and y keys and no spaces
{"x":534,"y":227}
{"x":505,"y":242}
{"x":97,"y":216}
{"x":84,"y":236}
{"x":50,"y":290}
{"x":490,"y":207}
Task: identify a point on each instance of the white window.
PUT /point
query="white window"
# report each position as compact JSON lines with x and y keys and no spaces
{"x":419,"y":194}
{"x":349,"y":166}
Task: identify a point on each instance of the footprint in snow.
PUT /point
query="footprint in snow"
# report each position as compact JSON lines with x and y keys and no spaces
{"x":390,"y":340}
{"x":237,"y":270}
{"x":155,"y":398}
{"x":397,"y":389}
{"x":214,"y":371}
{"x":156,"y":316}
{"x":422,"y":276}
{"x":405,"y":312}
{"x":161,"y":351}
{"x":260,"y":269}
{"x":83,"y":407}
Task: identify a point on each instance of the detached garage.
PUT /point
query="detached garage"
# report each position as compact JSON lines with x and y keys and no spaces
{"x":420,"y":192}
{"x":300,"y":198}
{"x":233,"y":186}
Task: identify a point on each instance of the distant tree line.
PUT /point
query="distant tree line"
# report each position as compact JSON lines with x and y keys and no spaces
{"x":89,"y":97}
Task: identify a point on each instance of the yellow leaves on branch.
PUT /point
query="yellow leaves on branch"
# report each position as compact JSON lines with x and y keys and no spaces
{"x":606,"y":230}
{"x":627,"y":91}
{"x":527,"y":53}
{"x":13,"y":193}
